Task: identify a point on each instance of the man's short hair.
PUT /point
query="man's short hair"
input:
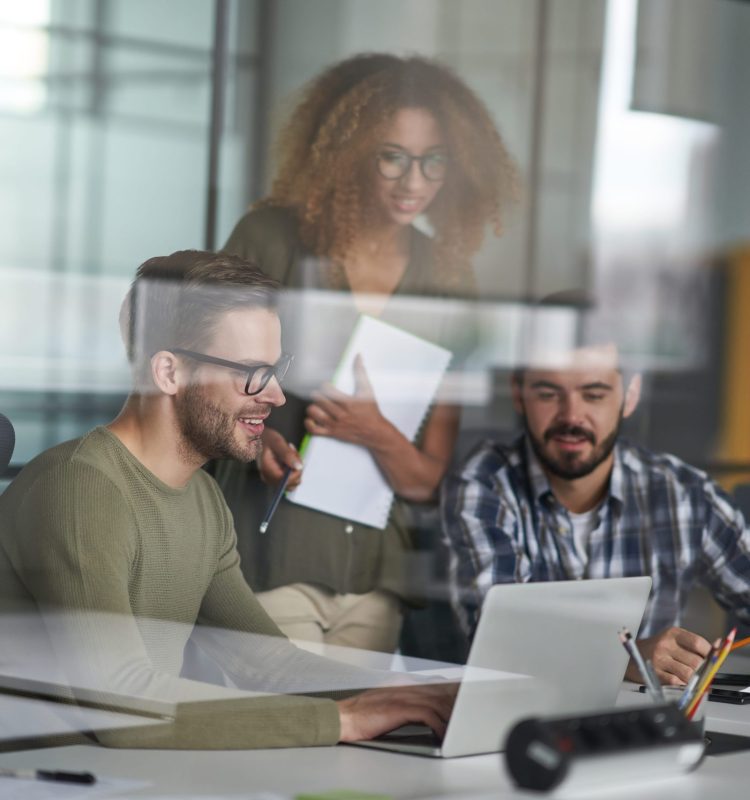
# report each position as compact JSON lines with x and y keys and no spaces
{"x":564,"y":322}
{"x":177,"y":300}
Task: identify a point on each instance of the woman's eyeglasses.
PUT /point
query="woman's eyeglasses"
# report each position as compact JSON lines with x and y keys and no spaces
{"x":255,"y":377}
{"x":394,"y":164}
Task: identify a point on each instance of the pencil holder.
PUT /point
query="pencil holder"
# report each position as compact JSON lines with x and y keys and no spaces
{"x":597,"y":750}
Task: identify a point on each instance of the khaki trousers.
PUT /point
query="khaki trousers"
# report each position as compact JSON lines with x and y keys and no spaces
{"x":370,"y":621}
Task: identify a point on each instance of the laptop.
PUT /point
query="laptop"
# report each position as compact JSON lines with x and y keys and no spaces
{"x":539,"y":649}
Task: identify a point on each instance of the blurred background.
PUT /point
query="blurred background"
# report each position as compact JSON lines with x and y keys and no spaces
{"x":132,"y":128}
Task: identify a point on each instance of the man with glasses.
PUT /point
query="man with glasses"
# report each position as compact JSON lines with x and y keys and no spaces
{"x":123,"y":532}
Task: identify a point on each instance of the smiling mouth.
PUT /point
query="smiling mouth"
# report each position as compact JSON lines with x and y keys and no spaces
{"x":569,"y":444}
{"x":570,"y":437}
{"x":253,"y":425}
{"x":407,"y":203}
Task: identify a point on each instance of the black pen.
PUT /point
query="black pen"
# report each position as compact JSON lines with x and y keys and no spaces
{"x":48,"y":775}
{"x":280,"y":489}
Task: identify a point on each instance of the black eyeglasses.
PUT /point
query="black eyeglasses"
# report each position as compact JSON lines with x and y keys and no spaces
{"x":258,"y":375}
{"x":394,"y":164}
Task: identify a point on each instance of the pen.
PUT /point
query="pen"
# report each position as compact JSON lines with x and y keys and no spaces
{"x":280,"y":489}
{"x":653,"y":687}
{"x":48,"y":775}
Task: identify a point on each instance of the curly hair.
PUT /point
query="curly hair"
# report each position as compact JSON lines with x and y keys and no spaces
{"x":325,"y":155}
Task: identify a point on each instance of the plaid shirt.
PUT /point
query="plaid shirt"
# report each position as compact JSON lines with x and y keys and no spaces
{"x":660,"y":518}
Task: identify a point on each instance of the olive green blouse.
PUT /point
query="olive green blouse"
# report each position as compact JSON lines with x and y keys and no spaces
{"x":304,"y":545}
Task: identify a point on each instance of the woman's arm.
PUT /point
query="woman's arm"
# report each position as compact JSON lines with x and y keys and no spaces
{"x":413,"y":472}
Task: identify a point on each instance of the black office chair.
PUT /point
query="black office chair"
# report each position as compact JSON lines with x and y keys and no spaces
{"x":7,"y":443}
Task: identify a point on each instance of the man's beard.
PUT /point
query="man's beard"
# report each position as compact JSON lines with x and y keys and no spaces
{"x":209,"y":431}
{"x":570,"y":466}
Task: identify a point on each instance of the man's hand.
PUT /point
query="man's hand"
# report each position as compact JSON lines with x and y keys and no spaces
{"x":276,"y":456}
{"x":378,"y":711}
{"x":675,"y":654}
{"x":351,"y":418}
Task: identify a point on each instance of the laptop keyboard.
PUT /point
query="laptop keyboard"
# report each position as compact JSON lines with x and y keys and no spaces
{"x":412,"y":734}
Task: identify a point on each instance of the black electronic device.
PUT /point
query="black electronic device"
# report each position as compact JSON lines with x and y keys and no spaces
{"x":724,"y":694}
{"x":735,"y":696}
{"x":626,"y":746}
{"x":731,"y":679}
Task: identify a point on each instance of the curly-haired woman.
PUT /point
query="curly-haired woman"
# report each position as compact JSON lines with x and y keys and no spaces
{"x":376,"y":142}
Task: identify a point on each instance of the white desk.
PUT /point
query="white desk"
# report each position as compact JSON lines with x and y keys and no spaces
{"x":289,"y":772}
{"x":222,"y":774}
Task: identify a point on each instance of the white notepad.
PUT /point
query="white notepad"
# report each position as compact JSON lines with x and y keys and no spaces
{"x":405,"y":371}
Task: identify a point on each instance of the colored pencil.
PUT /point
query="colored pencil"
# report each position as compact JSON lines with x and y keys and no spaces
{"x":705,"y":684}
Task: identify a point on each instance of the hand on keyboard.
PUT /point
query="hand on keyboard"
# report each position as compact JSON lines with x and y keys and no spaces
{"x":376,"y":711}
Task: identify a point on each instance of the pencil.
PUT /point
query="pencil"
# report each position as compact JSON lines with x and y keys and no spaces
{"x":705,"y":684}
{"x":695,"y":678}
{"x":741,"y":643}
{"x":278,"y":494}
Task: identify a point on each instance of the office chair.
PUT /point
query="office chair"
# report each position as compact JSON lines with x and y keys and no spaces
{"x":7,"y":442}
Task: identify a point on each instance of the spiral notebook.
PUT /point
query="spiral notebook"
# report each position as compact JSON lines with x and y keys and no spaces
{"x":405,"y":371}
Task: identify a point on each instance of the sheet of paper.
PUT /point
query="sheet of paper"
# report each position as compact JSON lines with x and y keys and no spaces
{"x":405,"y":371}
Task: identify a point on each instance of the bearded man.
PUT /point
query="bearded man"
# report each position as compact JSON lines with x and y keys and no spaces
{"x":570,"y":499}
{"x":120,"y":542}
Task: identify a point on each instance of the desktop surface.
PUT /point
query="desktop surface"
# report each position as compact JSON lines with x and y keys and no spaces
{"x":286,"y":773}
{"x":225,"y":774}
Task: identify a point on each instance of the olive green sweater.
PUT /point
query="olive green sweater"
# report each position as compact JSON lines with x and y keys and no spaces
{"x":87,"y":530}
